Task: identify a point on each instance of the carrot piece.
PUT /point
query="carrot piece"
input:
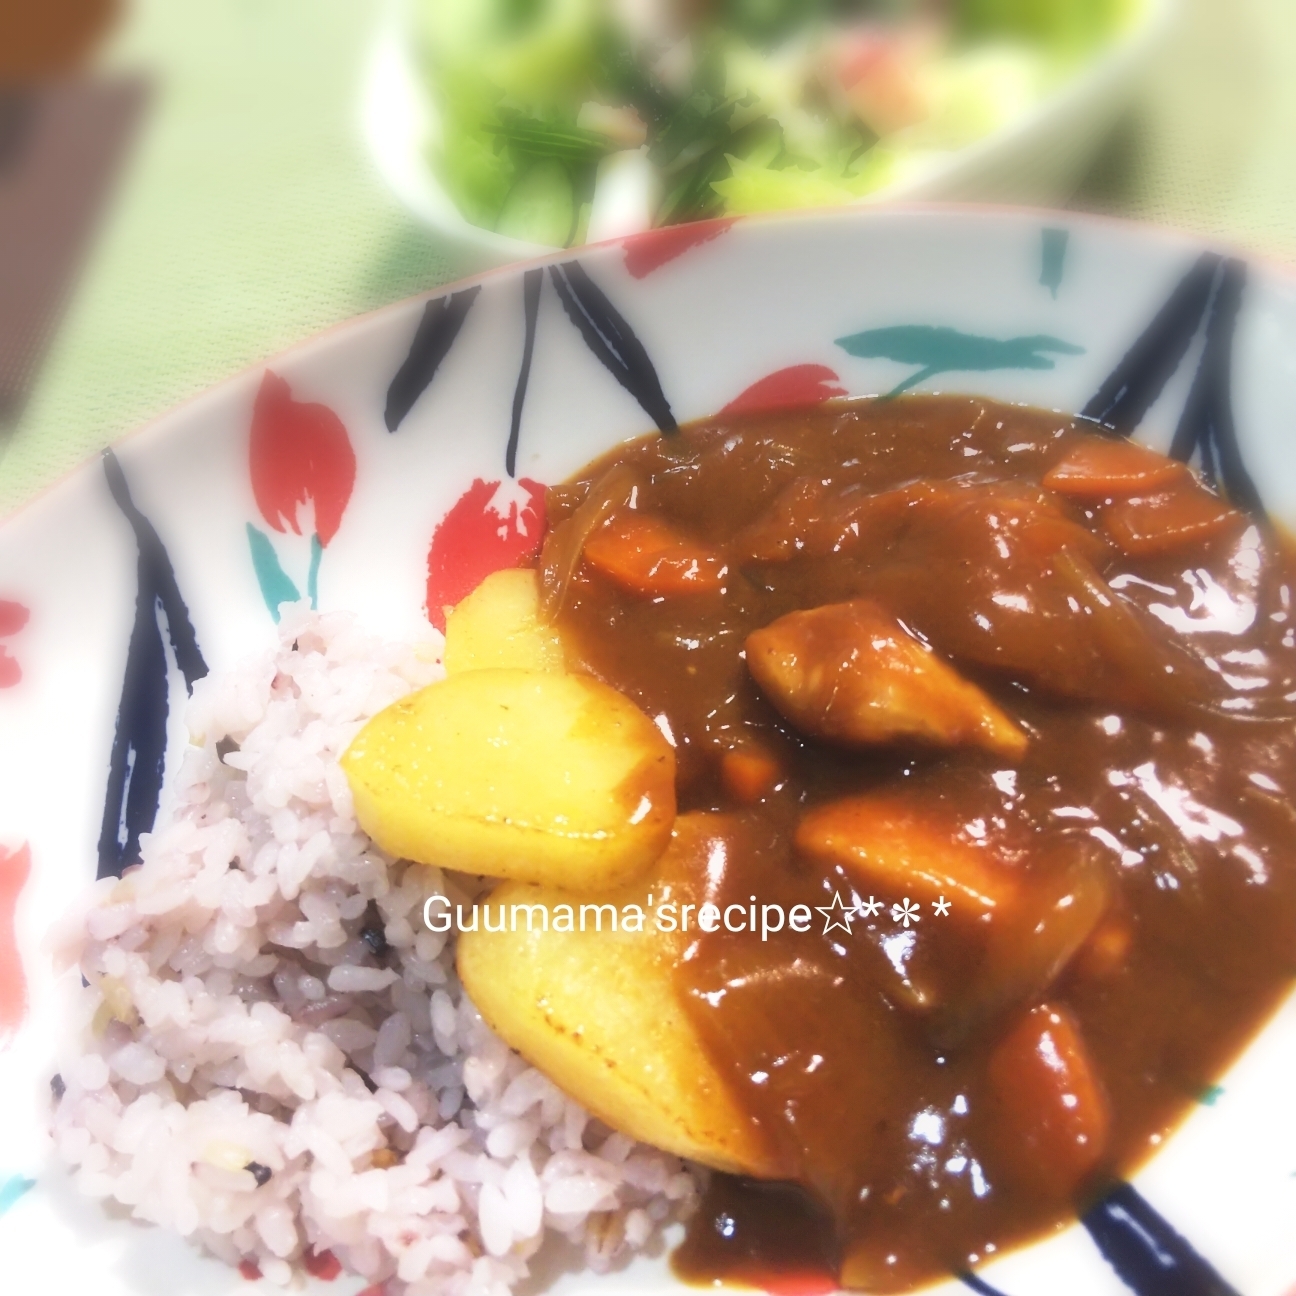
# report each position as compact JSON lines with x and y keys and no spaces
{"x":890,"y":845}
{"x":1104,"y":467}
{"x":646,"y":555}
{"x":749,"y":773}
{"x":1052,"y":1106}
{"x":1169,"y":520}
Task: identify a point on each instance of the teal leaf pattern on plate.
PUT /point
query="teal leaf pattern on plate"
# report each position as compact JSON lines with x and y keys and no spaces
{"x":276,"y":585}
{"x":312,"y":577}
{"x":936,"y":350}
{"x":14,"y":1188}
{"x":1053,"y":250}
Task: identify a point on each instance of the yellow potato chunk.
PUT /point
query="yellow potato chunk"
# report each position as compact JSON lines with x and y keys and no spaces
{"x":556,"y":779}
{"x":597,"y":1010}
{"x":851,"y":673}
{"x":498,"y":625}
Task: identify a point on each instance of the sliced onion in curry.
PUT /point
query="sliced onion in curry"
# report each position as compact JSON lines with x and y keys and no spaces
{"x":561,"y":555}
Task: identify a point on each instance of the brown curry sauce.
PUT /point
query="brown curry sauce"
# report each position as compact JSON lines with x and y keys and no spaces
{"x":1157,"y":688}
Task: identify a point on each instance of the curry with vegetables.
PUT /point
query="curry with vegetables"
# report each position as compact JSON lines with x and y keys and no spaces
{"x":1009,"y":702}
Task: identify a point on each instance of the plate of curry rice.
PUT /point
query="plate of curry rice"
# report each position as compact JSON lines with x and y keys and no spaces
{"x":761,"y":754}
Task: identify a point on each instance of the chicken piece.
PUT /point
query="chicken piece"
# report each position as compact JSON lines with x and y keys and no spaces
{"x":851,"y":673}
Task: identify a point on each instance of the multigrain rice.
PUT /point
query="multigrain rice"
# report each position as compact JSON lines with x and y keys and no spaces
{"x":274,"y":1056}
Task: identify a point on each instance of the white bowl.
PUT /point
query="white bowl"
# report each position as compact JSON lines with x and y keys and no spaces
{"x":426,"y":392}
{"x":1038,"y":159}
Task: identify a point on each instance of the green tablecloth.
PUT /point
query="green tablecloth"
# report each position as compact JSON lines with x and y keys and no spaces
{"x":250,"y":216}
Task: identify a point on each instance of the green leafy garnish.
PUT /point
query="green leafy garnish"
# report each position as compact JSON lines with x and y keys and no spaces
{"x":543,"y":139}
{"x":541,"y":206}
{"x":767,"y":120}
{"x":1065,"y":28}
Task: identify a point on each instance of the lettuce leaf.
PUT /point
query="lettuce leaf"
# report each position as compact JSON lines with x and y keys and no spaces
{"x":1067,"y":29}
{"x":752,"y":187}
{"x":541,"y":54}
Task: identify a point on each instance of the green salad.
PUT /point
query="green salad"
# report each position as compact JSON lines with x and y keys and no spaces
{"x":562,"y":121}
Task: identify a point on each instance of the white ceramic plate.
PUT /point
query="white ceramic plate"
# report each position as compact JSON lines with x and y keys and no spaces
{"x":1040,"y":158}
{"x":669,"y":327}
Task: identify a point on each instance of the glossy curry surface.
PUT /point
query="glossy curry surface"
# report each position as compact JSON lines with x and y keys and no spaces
{"x":1120,"y":886}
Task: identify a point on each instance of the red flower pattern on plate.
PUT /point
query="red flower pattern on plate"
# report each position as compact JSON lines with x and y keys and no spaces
{"x":13,"y":616}
{"x":492,"y":525}
{"x":15,"y":868}
{"x":300,"y":454}
{"x":807,"y":384}
{"x":646,"y":252}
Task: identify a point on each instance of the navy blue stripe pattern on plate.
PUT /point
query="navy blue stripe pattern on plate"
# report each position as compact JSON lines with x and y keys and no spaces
{"x":435,"y":335}
{"x":1141,"y":376}
{"x":612,"y":340}
{"x":532,"y":282}
{"x":1211,"y":292}
{"x":1149,"y":1257}
{"x":979,"y":1285}
{"x":1206,"y":427}
{"x":138,"y":757}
